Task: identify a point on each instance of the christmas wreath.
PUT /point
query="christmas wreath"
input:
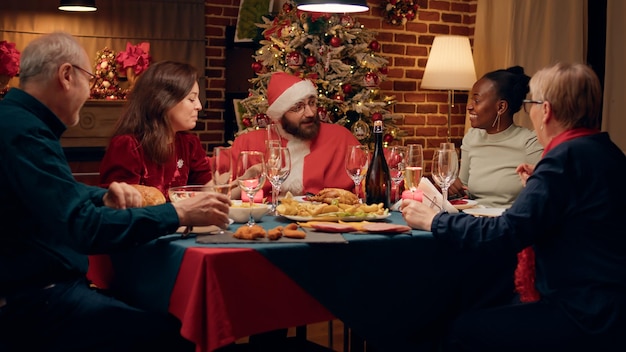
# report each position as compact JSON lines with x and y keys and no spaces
{"x":399,"y":12}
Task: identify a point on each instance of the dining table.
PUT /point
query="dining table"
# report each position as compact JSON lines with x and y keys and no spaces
{"x":395,"y":290}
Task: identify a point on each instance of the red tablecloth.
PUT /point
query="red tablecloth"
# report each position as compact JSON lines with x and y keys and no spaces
{"x":223,"y":294}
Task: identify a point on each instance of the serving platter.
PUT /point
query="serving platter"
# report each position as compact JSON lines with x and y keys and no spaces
{"x":337,"y":217}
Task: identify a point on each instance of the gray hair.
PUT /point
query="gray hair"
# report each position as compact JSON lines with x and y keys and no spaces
{"x":43,"y":56}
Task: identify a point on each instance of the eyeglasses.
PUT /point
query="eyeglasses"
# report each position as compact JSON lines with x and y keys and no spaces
{"x":92,"y":77}
{"x":299,"y":108}
{"x":527,"y":102}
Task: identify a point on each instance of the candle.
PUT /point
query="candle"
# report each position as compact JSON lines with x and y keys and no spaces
{"x":258,"y":196}
{"x":417,"y":195}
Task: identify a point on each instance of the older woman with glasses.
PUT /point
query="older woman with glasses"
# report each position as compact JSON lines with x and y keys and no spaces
{"x":573,"y":292}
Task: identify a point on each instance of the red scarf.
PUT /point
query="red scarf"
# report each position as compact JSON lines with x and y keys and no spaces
{"x":525,"y":271}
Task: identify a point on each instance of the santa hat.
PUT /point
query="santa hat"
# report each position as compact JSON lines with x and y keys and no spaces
{"x":284,"y":91}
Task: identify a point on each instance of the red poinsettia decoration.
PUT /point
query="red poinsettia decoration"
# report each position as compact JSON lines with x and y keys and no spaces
{"x":9,"y":59}
{"x":136,"y":57}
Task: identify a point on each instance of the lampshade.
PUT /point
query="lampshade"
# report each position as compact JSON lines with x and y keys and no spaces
{"x":333,"y":6}
{"x":450,"y":64}
{"x":78,"y":5}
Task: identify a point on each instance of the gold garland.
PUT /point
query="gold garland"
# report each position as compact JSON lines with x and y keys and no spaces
{"x":399,"y":12}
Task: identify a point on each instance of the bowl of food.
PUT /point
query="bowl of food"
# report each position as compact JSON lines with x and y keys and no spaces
{"x":240,"y":211}
{"x":183,"y":192}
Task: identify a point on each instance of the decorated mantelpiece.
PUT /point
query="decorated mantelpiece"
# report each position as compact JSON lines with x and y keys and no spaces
{"x":9,"y":64}
{"x":338,"y":54}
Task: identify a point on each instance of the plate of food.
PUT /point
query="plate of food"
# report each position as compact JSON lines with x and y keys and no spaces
{"x":330,"y":204}
{"x":338,"y":217}
{"x":487,"y":212}
{"x":462,"y":203}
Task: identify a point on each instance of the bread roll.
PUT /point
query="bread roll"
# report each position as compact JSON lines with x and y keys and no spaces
{"x":150,"y":195}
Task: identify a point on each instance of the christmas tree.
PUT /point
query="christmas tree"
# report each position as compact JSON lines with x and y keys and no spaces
{"x":335,"y":52}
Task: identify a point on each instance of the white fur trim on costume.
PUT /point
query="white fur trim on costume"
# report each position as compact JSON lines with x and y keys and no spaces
{"x":290,"y":97}
{"x":294,"y":183}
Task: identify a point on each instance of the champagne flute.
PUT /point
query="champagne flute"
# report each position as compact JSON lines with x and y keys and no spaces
{"x":250,"y":171}
{"x":445,"y":170}
{"x":222,"y":173}
{"x":396,"y":160}
{"x":357,"y":163}
{"x":273,"y":135}
{"x":414,"y":167}
{"x":277,"y":168}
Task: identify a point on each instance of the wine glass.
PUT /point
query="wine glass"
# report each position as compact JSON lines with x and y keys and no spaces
{"x":414,"y":167}
{"x":445,"y":170}
{"x":357,"y":163}
{"x":396,"y":160}
{"x":222,"y":173}
{"x":273,"y":135}
{"x":250,"y":172}
{"x":277,"y":168}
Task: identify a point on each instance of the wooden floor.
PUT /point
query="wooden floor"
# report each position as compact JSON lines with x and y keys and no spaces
{"x":319,"y":334}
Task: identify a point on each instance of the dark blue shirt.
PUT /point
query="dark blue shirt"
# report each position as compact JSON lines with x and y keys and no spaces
{"x":572,"y":211}
{"x":50,"y":222}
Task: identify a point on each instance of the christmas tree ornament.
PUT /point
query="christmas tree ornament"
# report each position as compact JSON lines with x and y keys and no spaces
{"x":287,"y":7}
{"x":335,"y":42}
{"x":247,"y":122}
{"x":388,"y":138}
{"x":323,"y":114}
{"x":347,"y":88}
{"x":262,"y":120}
{"x":347,"y":21}
{"x":294,"y":59}
{"x":338,"y":97}
{"x":377,"y":116}
{"x":311,"y":61}
{"x":374,"y":45}
{"x":360,"y":129}
{"x":257,"y":67}
{"x":371,"y":79}
{"x":384,"y":70}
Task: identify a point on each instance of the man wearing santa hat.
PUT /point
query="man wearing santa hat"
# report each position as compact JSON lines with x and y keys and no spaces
{"x":317,"y":149}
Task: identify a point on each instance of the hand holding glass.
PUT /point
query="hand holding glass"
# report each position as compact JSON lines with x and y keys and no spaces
{"x":357,"y":163}
{"x":250,"y":172}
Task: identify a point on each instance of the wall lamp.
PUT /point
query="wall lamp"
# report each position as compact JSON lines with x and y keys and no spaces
{"x":333,"y":6}
{"x":78,"y":5}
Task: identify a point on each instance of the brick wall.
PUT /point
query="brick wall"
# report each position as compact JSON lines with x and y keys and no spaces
{"x":424,"y":112}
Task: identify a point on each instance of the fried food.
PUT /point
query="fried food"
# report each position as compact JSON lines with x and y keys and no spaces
{"x":250,"y":232}
{"x":291,"y":231}
{"x":290,"y":206}
{"x":275,"y":233}
{"x":334,"y":196}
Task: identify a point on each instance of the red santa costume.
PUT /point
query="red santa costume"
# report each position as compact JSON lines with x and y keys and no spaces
{"x":315,"y":164}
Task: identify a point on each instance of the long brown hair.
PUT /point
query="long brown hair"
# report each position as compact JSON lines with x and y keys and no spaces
{"x":157,"y":90}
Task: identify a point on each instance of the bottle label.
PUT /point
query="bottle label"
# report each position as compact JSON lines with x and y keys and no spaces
{"x":378,"y":126}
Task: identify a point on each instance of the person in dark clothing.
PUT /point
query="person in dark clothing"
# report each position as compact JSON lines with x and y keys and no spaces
{"x":51,"y":223}
{"x":568,"y":216}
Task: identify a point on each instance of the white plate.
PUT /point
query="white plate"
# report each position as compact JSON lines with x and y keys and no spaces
{"x":336,"y":218}
{"x":469,"y":204}
{"x":489,"y":212}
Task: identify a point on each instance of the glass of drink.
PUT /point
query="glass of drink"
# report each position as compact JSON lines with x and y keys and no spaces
{"x":277,"y":168}
{"x":396,"y":160}
{"x":445,"y":170}
{"x":414,"y":167}
{"x":357,"y":163}
{"x":251,"y":175}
